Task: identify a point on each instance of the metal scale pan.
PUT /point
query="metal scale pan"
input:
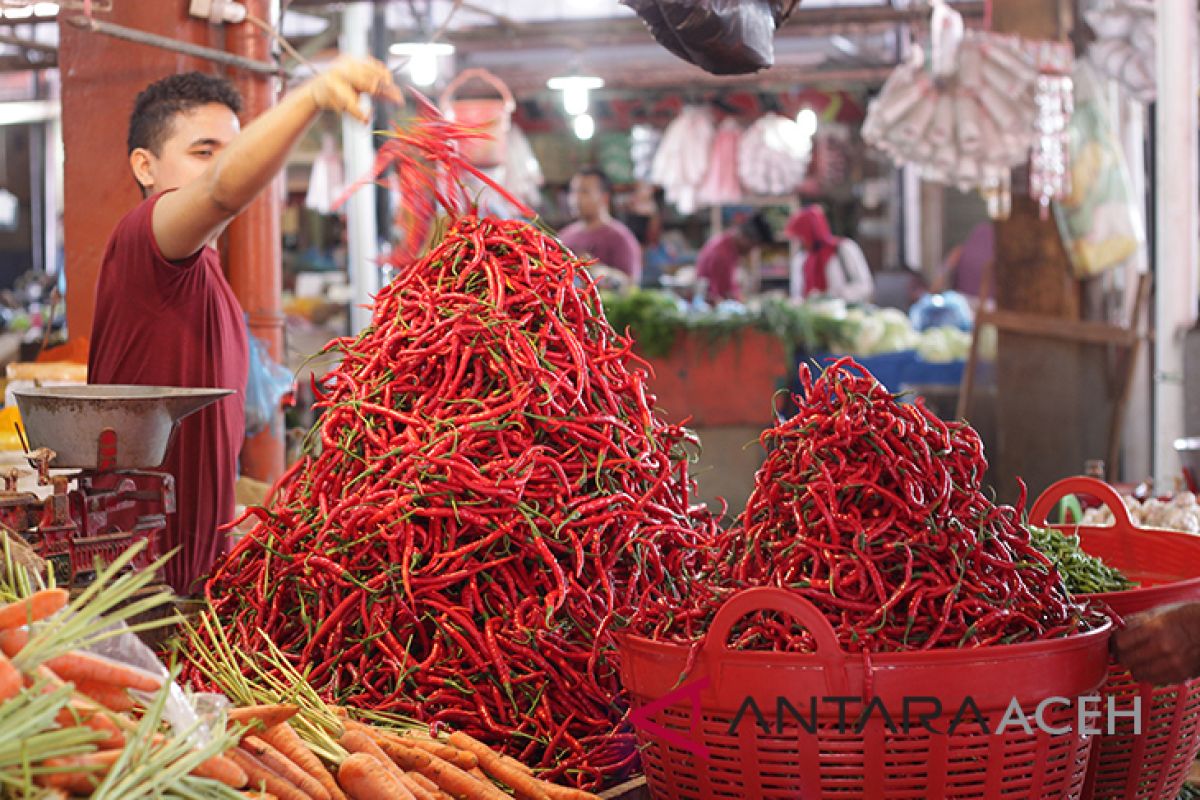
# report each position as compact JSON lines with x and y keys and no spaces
{"x":108,"y":427}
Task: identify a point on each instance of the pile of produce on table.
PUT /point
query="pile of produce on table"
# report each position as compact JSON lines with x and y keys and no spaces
{"x":873,"y":511}
{"x":493,"y":497}
{"x":1081,"y":573}
{"x":1179,"y":513}
{"x":68,"y":722}
{"x":87,"y":710}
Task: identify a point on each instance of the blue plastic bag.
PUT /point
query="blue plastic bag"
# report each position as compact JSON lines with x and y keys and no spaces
{"x":947,"y":308}
{"x":266,"y":385}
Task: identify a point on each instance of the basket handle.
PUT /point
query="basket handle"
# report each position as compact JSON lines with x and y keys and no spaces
{"x":784,"y":601}
{"x":479,"y":73}
{"x":1081,"y":484}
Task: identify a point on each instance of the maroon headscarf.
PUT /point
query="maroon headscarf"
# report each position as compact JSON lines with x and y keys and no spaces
{"x":810,"y":227}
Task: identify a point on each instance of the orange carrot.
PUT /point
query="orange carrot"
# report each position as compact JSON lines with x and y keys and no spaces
{"x":12,"y":640}
{"x":79,"y":666}
{"x":359,"y":738}
{"x":463,"y":759}
{"x":285,"y":739}
{"x":448,"y":777}
{"x":524,"y":787}
{"x":80,"y":711}
{"x":428,"y":786}
{"x":285,"y":767}
{"x":10,"y":679}
{"x":365,"y":778}
{"x":419,"y":790}
{"x":80,"y":773}
{"x":263,"y":717}
{"x":512,"y":762}
{"x":36,"y":607}
{"x":567,"y":793}
{"x":262,"y":777}
{"x":112,"y":697}
{"x":359,"y":741}
{"x":222,"y":769}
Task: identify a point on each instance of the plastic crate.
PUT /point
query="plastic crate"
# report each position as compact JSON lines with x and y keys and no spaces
{"x":1166,"y":564}
{"x":807,"y":761}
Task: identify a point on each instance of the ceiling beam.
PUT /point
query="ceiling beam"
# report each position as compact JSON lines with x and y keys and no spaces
{"x":526,"y":82}
{"x":595,"y":34}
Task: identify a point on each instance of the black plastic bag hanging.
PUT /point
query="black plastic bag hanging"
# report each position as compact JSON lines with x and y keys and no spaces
{"x":724,"y":37}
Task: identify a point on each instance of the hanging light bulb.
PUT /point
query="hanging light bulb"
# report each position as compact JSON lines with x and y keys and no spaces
{"x":807,"y":120}
{"x":422,"y":59}
{"x":576,"y":91}
{"x":585,"y":126}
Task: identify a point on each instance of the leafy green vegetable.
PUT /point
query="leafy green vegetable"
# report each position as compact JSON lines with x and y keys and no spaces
{"x":655,"y":320}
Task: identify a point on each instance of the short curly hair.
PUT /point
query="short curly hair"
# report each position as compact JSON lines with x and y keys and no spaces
{"x":156,"y":106}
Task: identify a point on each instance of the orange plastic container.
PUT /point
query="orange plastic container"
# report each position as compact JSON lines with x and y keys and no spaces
{"x":693,"y":751}
{"x":492,"y":116}
{"x":1166,"y":565}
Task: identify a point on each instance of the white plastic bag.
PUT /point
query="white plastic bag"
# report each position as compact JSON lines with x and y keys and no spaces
{"x":681,"y":161}
{"x":1099,"y":220}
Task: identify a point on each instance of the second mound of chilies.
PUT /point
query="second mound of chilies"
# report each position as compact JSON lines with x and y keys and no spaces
{"x":874,"y":511}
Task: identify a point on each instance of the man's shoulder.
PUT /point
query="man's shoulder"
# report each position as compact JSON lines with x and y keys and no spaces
{"x":572,"y":229}
{"x":620,"y":228}
{"x":135,"y":224}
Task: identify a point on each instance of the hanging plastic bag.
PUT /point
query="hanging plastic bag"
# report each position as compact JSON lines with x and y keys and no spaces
{"x":328,"y":178}
{"x":266,"y":385}
{"x":1098,"y":220}
{"x":681,"y":161}
{"x":724,"y":37}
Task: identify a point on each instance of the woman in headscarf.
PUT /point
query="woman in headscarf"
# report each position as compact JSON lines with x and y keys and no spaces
{"x":829,"y":265}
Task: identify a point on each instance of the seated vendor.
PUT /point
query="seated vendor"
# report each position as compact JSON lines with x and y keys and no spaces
{"x":718,"y":260}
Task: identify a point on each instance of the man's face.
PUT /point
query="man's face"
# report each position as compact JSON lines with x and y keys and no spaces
{"x":588,"y":198}
{"x":195,"y":139}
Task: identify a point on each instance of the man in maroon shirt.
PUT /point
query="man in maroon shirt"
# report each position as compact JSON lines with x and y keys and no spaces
{"x":165,"y":314}
{"x":718,"y":260}
{"x":596,"y":234}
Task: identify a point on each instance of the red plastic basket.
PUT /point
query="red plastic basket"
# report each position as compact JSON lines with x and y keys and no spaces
{"x":692,"y":751}
{"x":1166,"y":565}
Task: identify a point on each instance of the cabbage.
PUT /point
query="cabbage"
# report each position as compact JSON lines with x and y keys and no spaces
{"x":944,"y":344}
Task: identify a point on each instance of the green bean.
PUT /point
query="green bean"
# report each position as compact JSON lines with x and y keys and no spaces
{"x":1082,"y":573}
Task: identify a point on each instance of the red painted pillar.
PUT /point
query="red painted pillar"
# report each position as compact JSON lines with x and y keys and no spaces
{"x":101,"y":76}
{"x":254,"y":251}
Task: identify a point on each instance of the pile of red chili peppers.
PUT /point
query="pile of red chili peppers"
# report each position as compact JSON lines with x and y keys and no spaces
{"x":493,"y":495}
{"x":873,"y":511}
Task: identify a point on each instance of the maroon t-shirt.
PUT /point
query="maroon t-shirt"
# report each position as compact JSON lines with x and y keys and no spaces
{"x":177,"y":323}
{"x":718,"y":261}
{"x":610,"y":243}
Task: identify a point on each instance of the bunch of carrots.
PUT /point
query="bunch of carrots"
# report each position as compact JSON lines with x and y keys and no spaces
{"x":100,"y":700}
{"x":378,"y":764}
{"x":77,"y":724}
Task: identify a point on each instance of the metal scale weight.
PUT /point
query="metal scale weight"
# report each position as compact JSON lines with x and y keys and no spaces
{"x":110,"y":439}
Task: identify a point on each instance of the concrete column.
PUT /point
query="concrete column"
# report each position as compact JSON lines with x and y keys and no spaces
{"x":254,"y":260}
{"x":1176,"y":228}
{"x":362,"y":230}
{"x":910,"y":199}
